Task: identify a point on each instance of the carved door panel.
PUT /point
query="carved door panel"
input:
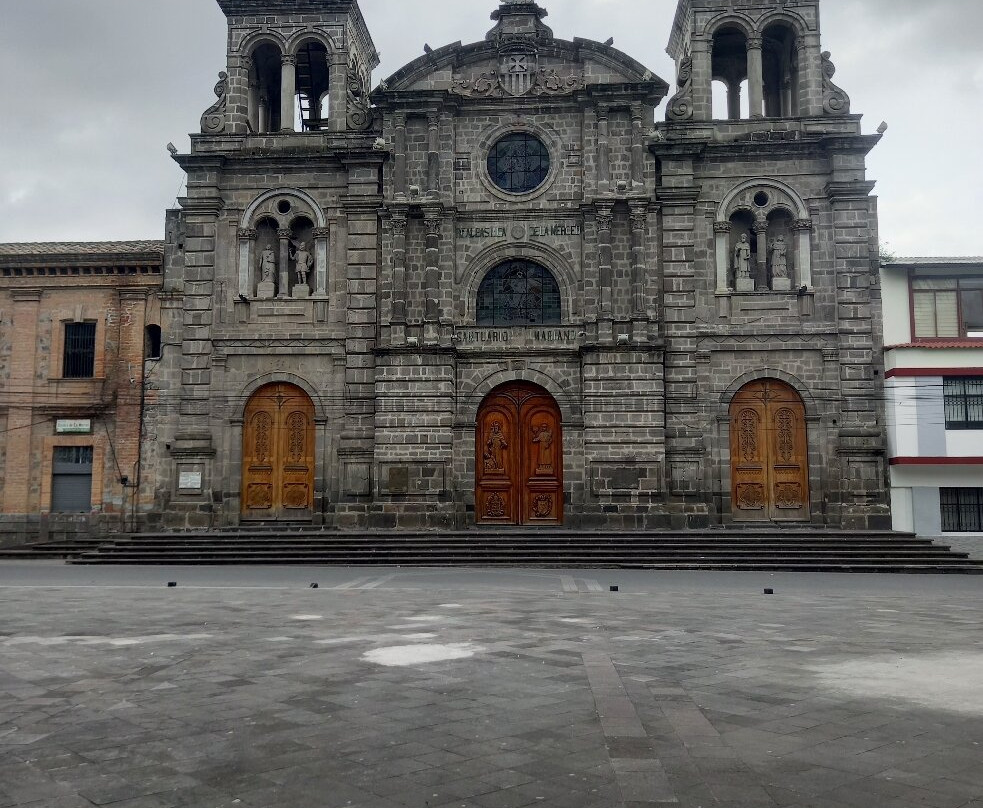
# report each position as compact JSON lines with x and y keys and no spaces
{"x":769,"y":454}
{"x":278,"y":454}
{"x":519,"y":458}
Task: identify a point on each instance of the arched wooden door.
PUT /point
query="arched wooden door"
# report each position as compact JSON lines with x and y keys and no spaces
{"x":769,"y":454}
{"x":278,"y":454}
{"x":519,"y":463}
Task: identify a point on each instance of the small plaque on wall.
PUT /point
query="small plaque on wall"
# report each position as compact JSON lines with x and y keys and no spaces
{"x":73,"y":426}
{"x":189,"y":481}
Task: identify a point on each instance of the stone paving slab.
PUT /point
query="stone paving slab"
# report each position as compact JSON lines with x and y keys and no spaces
{"x":437,"y":693}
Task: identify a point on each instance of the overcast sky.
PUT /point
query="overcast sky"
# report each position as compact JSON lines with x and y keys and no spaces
{"x":93,"y":90}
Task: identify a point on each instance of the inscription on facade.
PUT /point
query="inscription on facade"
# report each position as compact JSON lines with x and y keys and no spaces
{"x":517,"y":337}
{"x":540,"y":230}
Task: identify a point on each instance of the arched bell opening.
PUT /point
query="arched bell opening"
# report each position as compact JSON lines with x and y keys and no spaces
{"x":729,"y":69}
{"x":312,"y":85}
{"x":264,"y":88}
{"x":278,"y":454}
{"x":519,"y":457}
{"x":780,"y":71}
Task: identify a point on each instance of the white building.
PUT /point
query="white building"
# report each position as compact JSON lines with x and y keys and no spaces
{"x":933,"y":337}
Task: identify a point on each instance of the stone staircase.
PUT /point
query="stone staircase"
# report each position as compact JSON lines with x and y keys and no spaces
{"x":771,"y":549}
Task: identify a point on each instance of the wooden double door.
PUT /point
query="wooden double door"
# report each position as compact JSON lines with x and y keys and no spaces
{"x":769,"y":451}
{"x":519,"y":458}
{"x":278,"y":454}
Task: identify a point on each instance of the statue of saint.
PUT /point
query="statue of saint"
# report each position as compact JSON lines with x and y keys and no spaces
{"x":779,"y":258}
{"x":304,"y":260}
{"x":495,"y":446}
{"x":267,"y":265}
{"x":543,"y":435}
{"x":742,"y":257}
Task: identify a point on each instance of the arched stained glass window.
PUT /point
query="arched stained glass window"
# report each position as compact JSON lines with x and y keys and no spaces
{"x":519,"y":293}
{"x":519,"y":163}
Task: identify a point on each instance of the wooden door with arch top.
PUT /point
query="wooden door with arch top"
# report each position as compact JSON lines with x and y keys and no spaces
{"x":769,"y":454}
{"x":278,"y":454}
{"x":519,"y":457}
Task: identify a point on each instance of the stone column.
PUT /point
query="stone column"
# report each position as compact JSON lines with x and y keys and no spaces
{"x":321,"y":241}
{"x":700,"y":50}
{"x":605,"y":220}
{"x":637,"y":148}
{"x":398,"y":225}
{"x":803,"y":250}
{"x":252,"y":95}
{"x":399,"y":148}
{"x":810,"y":75}
{"x":722,"y":232}
{"x":247,"y":240}
{"x":431,"y":277}
{"x":639,"y":214}
{"x":284,"y":237}
{"x":264,"y":112}
{"x":433,"y":153}
{"x":603,"y":150}
{"x":760,"y":230}
{"x":288,"y":91}
{"x":755,"y":77}
{"x":734,"y":100}
{"x":20,"y":410}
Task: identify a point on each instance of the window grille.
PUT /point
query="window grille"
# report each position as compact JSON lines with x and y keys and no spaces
{"x":518,"y":293}
{"x":963,"y":402}
{"x":962,"y":510}
{"x":80,"y":351}
{"x":519,"y":163}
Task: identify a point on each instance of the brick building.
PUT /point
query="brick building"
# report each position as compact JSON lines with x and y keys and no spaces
{"x":77,"y":323}
{"x":494,"y":290}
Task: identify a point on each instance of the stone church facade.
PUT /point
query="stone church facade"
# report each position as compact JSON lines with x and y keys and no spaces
{"x":494,"y":291}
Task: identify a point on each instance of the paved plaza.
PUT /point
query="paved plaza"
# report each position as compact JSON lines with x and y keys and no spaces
{"x":380,"y":688}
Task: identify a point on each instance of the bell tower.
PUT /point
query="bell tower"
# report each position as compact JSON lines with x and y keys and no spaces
{"x":294,"y":66}
{"x":766,"y":50}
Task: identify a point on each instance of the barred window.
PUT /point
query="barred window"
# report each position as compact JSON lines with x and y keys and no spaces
{"x":947,"y":307}
{"x":962,"y":510}
{"x":80,"y":351}
{"x":963,"y":402}
{"x":519,"y":163}
{"x":518,"y":293}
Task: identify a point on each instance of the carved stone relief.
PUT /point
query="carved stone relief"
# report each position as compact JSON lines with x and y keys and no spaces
{"x":213,"y":121}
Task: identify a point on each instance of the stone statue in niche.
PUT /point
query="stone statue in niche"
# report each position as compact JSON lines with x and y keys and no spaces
{"x":780,"y":280}
{"x":495,"y":446}
{"x":743,"y":280}
{"x":267,"y":273}
{"x":304,"y":260}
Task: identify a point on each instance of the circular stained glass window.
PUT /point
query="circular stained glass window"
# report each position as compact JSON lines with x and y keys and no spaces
{"x":519,"y":163}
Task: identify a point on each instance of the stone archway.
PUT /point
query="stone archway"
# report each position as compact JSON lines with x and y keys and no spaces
{"x":519,"y":457}
{"x":769,"y":454}
{"x":278,"y":454}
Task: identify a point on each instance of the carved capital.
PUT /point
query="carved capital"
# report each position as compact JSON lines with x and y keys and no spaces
{"x":754,"y":43}
{"x":433,"y":120}
{"x":248,"y":234}
{"x":722,"y":227}
{"x":802,"y":224}
{"x":605,"y":216}
{"x":639,"y":214}
{"x":288,"y":59}
{"x":636,"y":113}
{"x":246,"y":62}
{"x":398,"y":226}
{"x":603,"y":110}
{"x":760,"y":226}
{"x":284,"y":233}
{"x":432,"y":224}
{"x":399,"y":120}
{"x":322,"y":232}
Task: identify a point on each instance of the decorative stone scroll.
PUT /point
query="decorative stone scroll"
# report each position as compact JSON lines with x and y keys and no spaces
{"x":213,"y":121}
{"x":359,"y":112}
{"x":681,"y":104}
{"x":835,"y":99}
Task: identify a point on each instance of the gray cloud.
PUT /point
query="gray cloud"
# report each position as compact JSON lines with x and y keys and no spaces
{"x":93,"y":90}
